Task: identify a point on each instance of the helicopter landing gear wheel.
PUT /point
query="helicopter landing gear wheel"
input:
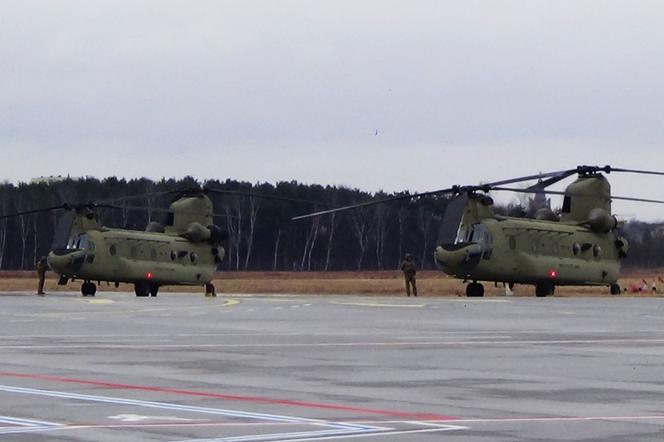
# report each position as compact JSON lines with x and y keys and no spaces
{"x":141,"y":289}
{"x":544,"y":289}
{"x":474,"y":290}
{"x":154,"y":289}
{"x":615,"y":289}
{"x":88,"y":289}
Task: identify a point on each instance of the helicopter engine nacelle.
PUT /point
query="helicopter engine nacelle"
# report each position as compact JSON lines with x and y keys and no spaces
{"x":197,"y":232}
{"x":600,"y":221}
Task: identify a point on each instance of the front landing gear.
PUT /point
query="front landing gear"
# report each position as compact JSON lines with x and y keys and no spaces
{"x":615,"y":289}
{"x":474,"y":290}
{"x":88,"y":289}
{"x":210,"y":290}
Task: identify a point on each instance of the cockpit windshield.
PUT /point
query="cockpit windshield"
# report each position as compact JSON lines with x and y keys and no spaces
{"x":477,"y":233}
{"x":80,"y":242}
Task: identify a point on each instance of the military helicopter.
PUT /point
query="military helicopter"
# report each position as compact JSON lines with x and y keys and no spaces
{"x":580,"y":246}
{"x":185,"y":250}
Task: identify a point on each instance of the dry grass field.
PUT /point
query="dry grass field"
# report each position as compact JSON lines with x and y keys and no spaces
{"x":430,"y":283}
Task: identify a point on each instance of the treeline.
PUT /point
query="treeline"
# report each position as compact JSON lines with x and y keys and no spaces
{"x":261,"y":234}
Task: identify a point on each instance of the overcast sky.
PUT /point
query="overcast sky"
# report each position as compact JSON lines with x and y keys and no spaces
{"x":381,"y":94}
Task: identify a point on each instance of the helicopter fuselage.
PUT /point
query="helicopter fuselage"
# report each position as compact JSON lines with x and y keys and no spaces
{"x":525,"y":251}
{"x":128,"y":256}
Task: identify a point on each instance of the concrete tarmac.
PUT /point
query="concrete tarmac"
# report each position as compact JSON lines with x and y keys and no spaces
{"x":182,"y":367}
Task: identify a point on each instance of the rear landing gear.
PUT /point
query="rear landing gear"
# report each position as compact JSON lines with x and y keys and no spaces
{"x":615,"y":289}
{"x":88,"y":289}
{"x":474,"y":290}
{"x":142,"y":289}
{"x":546,"y":288}
{"x":209,"y":290}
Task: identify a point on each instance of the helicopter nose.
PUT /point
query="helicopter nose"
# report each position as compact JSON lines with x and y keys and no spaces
{"x":65,"y":262}
{"x":457,"y":258}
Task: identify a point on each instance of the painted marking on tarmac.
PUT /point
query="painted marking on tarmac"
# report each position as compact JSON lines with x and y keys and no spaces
{"x":471,"y":342}
{"x":224,"y":304}
{"x":21,"y":425}
{"x":376,"y":304}
{"x":656,"y":417}
{"x":97,"y":301}
{"x":338,"y":429}
{"x":141,"y":418}
{"x":255,"y":399}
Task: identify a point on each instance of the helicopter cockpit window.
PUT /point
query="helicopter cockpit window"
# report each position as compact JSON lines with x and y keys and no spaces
{"x":80,"y":242}
{"x":477,"y":233}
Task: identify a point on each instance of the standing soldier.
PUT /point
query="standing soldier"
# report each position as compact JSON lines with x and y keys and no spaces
{"x":409,"y":271}
{"x":42,"y":267}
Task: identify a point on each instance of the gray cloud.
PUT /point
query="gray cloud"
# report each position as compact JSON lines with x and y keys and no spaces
{"x":458,"y":91}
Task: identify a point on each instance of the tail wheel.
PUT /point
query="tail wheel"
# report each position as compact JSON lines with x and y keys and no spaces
{"x":615,"y":289}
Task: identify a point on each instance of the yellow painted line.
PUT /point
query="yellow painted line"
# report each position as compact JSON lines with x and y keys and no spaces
{"x":372,"y":304}
{"x":100,"y":301}
{"x":477,"y":300}
{"x":229,"y":302}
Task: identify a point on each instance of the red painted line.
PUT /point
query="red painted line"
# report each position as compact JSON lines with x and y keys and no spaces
{"x":232,"y":397}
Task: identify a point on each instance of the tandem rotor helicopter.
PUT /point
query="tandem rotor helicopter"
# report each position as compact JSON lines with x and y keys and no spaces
{"x":579,"y":246}
{"x":185,"y":250}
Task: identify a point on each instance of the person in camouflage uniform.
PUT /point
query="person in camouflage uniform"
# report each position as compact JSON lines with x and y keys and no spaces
{"x":41,"y":266}
{"x":409,"y":272}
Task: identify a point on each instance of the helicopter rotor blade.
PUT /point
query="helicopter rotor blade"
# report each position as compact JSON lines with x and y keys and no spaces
{"x":44,"y":209}
{"x":452,"y":218}
{"x":372,"y":203}
{"x":156,"y":210}
{"x":642,"y":172}
{"x":63,"y":230}
{"x":559,"y":192}
{"x":134,"y":197}
{"x":453,"y":190}
{"x":552,"y":180}
{"x":566,"y":173}
{"x":261,"y":195}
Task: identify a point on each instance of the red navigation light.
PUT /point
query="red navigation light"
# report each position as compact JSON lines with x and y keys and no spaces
{"x":149,"y":275}
{"x":553,"y":274}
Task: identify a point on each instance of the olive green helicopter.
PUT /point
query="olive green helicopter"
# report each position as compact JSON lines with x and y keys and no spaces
{"x":579,"y":246}
{"x":185,"y":250}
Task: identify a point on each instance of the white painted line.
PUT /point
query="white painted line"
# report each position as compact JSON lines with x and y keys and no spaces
{"x":465,"y":343}
{"x":334,"y":428}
